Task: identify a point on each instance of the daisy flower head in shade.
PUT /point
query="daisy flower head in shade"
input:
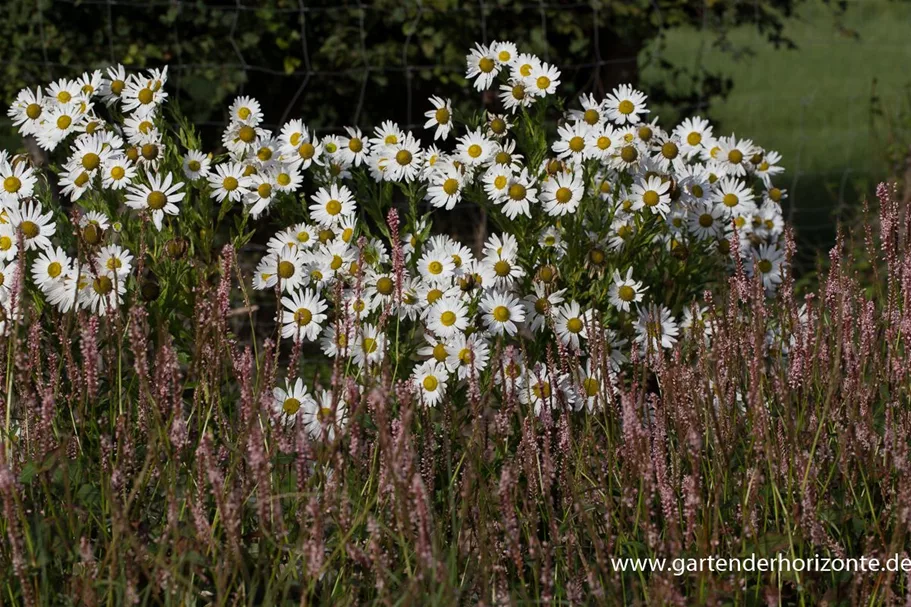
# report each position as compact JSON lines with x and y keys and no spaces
{"x":571,"y":143}
{"x":656,"y":328}
{"x":159,"y":197}
{"x":652,"y":194}
{"x":447,"y":317}
{"x":326,"y":414}
{"x":303,"y":154}
{"x":89,"y":153}
{"x":260,"y":191}
{"x":628,"y":151}
{"x":27,"y":110}
{"x":9,"y":242}
{"x":543,"y":80}
{"x":196,"y":165}
{"x":502,"y":313}
{"x":595,"y":388}
{"x":332,"y":205}
{"x":592,"y":112}
{"x":64,"y":91}
{"x":286,"y":266}
{"x":667,"y":156}
{"x":436,"y":266}
{"x":521,"y":193}
{"x":430,"y":378}
{"x":228,"y":181}
{"x":36,"y":227}
{"x":290,"y":401}
{"x":117,"y":172}
{"x":370,"y":345}
{"x":496,"y":181}
{"x":467,"y":355}
{"x":624,"y":104}
{"x":772,"y":220}
{"x":497,"y":125}
{"x":768,"y":167}
{"x":100,"y":293}
{"x":693,"y":133}
{"x":17,"y":180}
{"x":434,"y":349}
{"x":514,"y":94}
{"x":445,"y":187}
{"x":334,"y":339}
{"x":735,"y":154}
{"x":114,"y":260}
{"x":140,"y":130}
{"x":302,"y":315}
{"x":246,"y":110}
{"x":504,"y":52}
{"x":482,"y":67}
{"x":75,"y":182}
{"x":552,"y":242}
{"x":474,"y":148}
{"x":50,"y":267}
{"x":439,"y":118}
{"x":735,"y":197}
{"x":570,"y":324}
{"x":601,"y":141}
{"x":354,"y":148}
{"x":697,"y":320}
{"x":545,"y":390}
{"x":561,"y":194}
{"x":405,"y":159}
{"x":768,"y":262}
{"x":61,"y":121}
{"x":624,"y":291}
{"x":706,"y":220}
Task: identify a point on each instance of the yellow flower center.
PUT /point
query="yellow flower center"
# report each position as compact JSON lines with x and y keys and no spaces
{"x":591,"y":386}
{"x":629,"y":154}
{"x":369,"y":345}
{"x":730,"y":200}
{"x":303,"y":316}
{"x":103,"y":285}
{"x":435,"y":267}
{"x":12,"y":184}
{"x":517,"y":191}
{"x":145,"y":96}
{"x":33,"y":111}
{"x":403,"y":157}
{"x":694,"y":138}
{"x":441,"y":115}
{"x":500,"y":182}
{"x":591,"y":117}
{"x":735,"y":156}
{"x":194,"y":165}
{"x":765,"y":266}
{"x":291,"y":405}
{"x":626,"y":293}
{"x":384,"y":286}
{"x":669,"y":150}
{"x":451,"y":186}
{"x":230,"y":183}
{"x":706,"y":220}
{"x":439,"y":352}
{"x":247,"y":134}
{"x":486,"y":65}
{"x":156,"y":200}
{"x":6,"y":243}
{"x":650,"y":198}
{"x":285,"y":269}
{"x":264,"y":190}
{"x":64,"y":122}
{"x":564,"y":195}
{"x":29,"y":228}
{"x":577,"y":144}
{"x":626,"y":107}
{"x":448,"y":318}
{"x":355,"y":145}
{"x":54,"y":269}
{"x":501,"y":314}
{"x":498,"y":126}
{"x":430,"y":383}
{"x":543,"y":82}
{"x":474,"y":150}
{"x":433,"y":295}
{"x":149,"y":151}
{"x":574,"y":325}
{"x":306,"y":151}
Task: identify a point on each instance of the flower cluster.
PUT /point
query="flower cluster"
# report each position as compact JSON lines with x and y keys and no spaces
{"x":607,"y":228}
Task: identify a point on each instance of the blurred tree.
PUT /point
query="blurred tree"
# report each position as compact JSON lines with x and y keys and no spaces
{"x":337,"y":62}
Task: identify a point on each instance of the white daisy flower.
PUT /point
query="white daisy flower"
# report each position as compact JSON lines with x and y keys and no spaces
{"x":327,"y":414}
{"x":196,"y":165}
{"x":570,"y":325}
{"x":430,"y":378}
{"x":36,"y":228}
{"x":502,"y":313}
{"x":290,"y":401}
{"x":160,"y":197}
{"x":656,"y":328}
{"x":482,"y":67}
{"x":561,"y":194}
{"x":625,"y":291}
{"x":302,"y":315}
{"x":117,"y":172}
{"x":624,"y":104}
{"x":651,"y":194}
{"x":734,"y":196}
{"x":447,"y":317}
{"x":246,"y":110}
{"x":439,"y":118}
